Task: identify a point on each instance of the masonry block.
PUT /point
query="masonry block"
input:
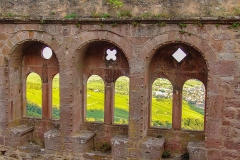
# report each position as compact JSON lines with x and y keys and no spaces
{"x":83,"y":141}
{"x":118,"y":146}
{"x":30,"y":148}
{"x":19,"y":135}
{"x":196,"y":150}
{"x":152,"y":148}
{"x":52,"y":140}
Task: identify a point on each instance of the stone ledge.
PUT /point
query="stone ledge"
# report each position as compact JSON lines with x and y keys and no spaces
{"x":153,"y":143}
{"x":52,"y":133}
{"x":119,"y":139}
{"x":118,"y":143}
{"x":83,"y":136}
{"x":152,"y":148}
{"x":97,"y":155}
{"x":30,"y":148}
{"x":21,"y":130}
{"x":52,"y":140}
{"x":196,"y":150}
{"x":173,"y":20}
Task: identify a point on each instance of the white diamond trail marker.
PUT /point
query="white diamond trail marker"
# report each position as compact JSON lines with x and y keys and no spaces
{"x":179,"y":55}
{"x":111,"y":54}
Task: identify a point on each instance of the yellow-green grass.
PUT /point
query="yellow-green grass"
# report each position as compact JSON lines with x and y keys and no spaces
{"x":161,"y":107}
{"x":34,"y":90}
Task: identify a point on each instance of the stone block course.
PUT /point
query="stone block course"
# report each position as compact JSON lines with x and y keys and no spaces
{"x":52,"y":140}
{"x":152,"y":148}
{"x":119,"y":146}
{"x":197,"y":150}
{"x":19,"y":135}
{"x":217,"y":46}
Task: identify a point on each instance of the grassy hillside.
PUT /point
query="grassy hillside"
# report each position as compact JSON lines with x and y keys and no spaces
{"x":34,"y":96}
{"x":192,"y":117}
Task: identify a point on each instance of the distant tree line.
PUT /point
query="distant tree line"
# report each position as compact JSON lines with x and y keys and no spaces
{"x":33,"y":85}
{"x":34,"y":110}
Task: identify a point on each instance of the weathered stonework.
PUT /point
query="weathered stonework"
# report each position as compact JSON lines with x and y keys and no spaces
{"x":144,"y":49}
{"x":82,"y":8}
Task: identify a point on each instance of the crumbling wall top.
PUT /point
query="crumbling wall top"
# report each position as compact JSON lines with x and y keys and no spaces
{"x":103,"y":8}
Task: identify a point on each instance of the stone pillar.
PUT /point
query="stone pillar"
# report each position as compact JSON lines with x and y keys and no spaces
{"x":138,"y":109}
{"x":70,"y":103}
{"x":45,"y":94}
{"x":45,"y":114}
{"x":109,"y":103}
{"x":50,"y":98}
{"x":4,"y":92}
{"x":138,"y":113}
{"x":176,"y":108}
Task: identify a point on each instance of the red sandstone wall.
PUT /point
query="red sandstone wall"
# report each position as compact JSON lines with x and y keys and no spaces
{"x":166,"y":8}
{"x":219,"y":45}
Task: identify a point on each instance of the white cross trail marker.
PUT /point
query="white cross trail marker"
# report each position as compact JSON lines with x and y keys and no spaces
{"x":111,"y":54}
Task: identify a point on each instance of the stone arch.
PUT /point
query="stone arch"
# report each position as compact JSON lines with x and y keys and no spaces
{"x":160,"y":63}
{"x":94,"y":61}
{"x":74,"y":55}
{"x":15,"y":59}
{"x":196,"y":42}
{"x":85,"y":38}
{"x":25,"y":36}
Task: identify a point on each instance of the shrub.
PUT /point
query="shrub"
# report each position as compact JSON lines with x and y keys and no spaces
{"x":166,"y":154}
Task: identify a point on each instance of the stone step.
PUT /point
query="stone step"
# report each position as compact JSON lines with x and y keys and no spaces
{"x":118,"y":143}
{"x":152,"y":148}
{"x":196,"y":150}
{"x":30,"y":148}
{"x":19,"y":135}
{"x":83,"y":141}
{"x":97,"y":155}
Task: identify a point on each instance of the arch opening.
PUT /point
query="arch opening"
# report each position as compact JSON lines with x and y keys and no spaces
{"x":34,"y":95}
{"x":161,"y":108}
{"x":55,"y":97}
{"x":193,"y":105}
{"x":121,"y":107}
{"x":26,"y":58}
{"x":177,"y":62}
{"x":106,"y":60}
{"x":95,"y":99}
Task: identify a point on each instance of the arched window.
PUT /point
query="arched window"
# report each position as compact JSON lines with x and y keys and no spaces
{"x":55,"y":97}
{"x":34,"y":95}
{"x":121,"y":107}
{"x":193,"y":105}
{"x":95,"y":99}
{"x":161,"y":111}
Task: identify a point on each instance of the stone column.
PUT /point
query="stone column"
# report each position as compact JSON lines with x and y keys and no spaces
{"x":138,"y":113}
{"x":109,"y":103}
{"x":4,"y":93}
{"x":138,"y":109}
{"x":176,"y":108}
{"x":70,"y":103}
{"x":50,"y":98}
{"x":45,"y":94}
{"x":45,"y":114}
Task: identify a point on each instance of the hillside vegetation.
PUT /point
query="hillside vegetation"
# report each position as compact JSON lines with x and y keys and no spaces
{"x":192,"y":116}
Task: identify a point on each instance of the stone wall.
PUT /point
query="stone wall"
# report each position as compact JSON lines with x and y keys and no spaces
{"x":217,"y":40}
{"x":161,"y":8}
